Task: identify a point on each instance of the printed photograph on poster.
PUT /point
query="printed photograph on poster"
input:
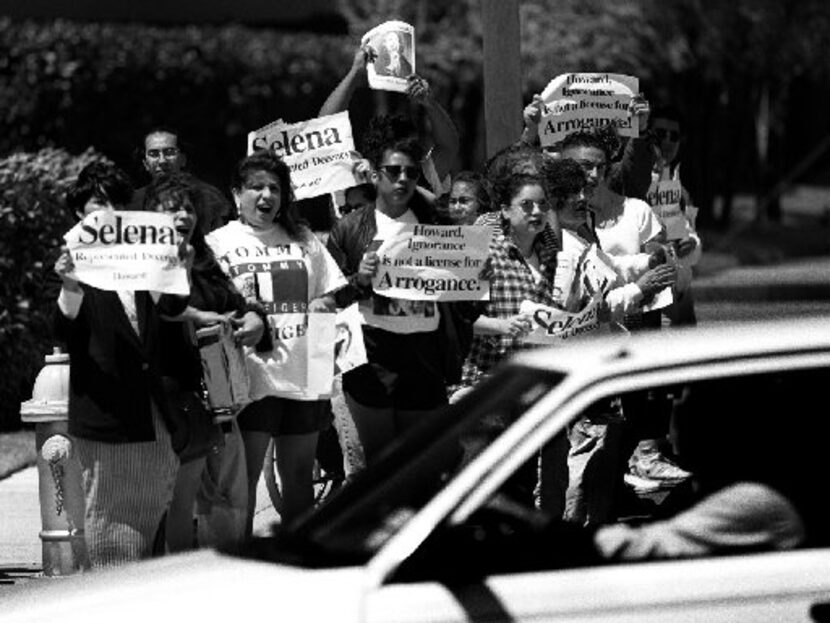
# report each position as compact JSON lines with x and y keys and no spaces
{"x":393,"y":43}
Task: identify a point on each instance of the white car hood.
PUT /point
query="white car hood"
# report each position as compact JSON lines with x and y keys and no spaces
{"x":202,"y":586}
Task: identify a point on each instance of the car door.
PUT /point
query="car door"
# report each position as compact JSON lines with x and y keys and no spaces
{"x":754,"y":418}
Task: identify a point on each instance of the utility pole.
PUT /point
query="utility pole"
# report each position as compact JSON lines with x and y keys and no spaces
{"x":502,"y":73}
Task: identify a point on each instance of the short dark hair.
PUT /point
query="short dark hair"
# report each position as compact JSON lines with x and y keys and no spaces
{"x":605,"y":138}
{"x":563,"y":177}
{"x":265,"y":160}
{"x":102,"y":180}
{"x":511,"y":159}
{"x":391,"y":133}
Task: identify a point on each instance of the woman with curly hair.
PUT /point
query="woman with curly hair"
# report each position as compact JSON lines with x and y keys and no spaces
{"x":277,"y":262}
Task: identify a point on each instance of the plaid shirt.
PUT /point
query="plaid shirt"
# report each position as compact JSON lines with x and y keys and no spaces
{"x":511,"y":283}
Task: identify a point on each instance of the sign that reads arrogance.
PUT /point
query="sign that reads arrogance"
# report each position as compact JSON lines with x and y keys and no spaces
{"x":434,"y":263}
{"x":577,"y":102}
{"x":128,"y":251}
{"x":319,"y":152}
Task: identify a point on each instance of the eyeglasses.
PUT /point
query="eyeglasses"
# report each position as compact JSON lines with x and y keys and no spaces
{"x":393,"y":171}
{"x":528,"y":205}
{"x":671,"y":135}
{"x":167,"y":152}
{"x":462,"y":201}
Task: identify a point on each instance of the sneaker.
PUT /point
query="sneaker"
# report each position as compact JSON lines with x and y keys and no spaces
{"x":656,"y":466}
{"x":641,"y":485}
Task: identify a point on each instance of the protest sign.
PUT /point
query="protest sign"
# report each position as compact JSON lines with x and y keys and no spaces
{"x":551,"y":325}
{"x":582,"y":101}
{"x":349,"y":348}
{"x":580,"y":275}
{"x":434,"y":263}
{"x":664,"y":197}
{"x":128,"y":251}
{"x":302,"y":360}
{"x":394,"y":46}
{"x":319,"y":152}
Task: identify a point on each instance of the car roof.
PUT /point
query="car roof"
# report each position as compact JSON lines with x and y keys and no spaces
{"x":620,"y":352}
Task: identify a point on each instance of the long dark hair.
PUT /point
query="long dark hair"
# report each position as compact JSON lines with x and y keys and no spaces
{"x":264,"y":160}
{"x":175,"y":190}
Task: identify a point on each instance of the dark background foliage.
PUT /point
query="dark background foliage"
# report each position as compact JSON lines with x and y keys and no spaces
{"x":749,"y":75}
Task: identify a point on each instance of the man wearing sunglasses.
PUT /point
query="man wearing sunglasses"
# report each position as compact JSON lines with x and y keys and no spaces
{"x":406,"y":341}
{"x":163,"y":153}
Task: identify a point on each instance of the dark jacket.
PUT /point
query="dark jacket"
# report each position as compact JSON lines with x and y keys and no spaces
{"x":113,"y":371}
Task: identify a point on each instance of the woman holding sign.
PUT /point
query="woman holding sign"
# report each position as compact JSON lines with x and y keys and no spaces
{"x":215,"y":481}
{"x":117,"y":407}
{"x":280,"y":264}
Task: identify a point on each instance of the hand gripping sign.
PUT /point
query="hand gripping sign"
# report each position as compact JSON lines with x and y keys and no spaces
{"x":393,"y":44}
{"x":582,"y":101}
{"x":128,"y":251}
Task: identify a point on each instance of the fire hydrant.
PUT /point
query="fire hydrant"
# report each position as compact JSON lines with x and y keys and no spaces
{"x":59,"y":472}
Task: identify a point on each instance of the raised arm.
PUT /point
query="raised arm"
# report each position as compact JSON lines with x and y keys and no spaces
{"x":443,"y":131}
{"x":339,"y":99}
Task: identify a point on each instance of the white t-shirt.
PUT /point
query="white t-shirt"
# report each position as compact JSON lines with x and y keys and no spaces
{"x":284,"y":276}
{"x":391,"y":314}
{"x":636,"y":225}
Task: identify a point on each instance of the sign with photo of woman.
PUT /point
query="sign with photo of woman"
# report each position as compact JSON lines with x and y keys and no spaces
{"x":393,"y":44}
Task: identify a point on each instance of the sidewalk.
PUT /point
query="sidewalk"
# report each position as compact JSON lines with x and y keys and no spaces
{"x":803,"y":279}
{"x":20,"y":524}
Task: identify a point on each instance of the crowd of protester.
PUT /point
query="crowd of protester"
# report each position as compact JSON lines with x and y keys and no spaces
{"x":132,"y":353}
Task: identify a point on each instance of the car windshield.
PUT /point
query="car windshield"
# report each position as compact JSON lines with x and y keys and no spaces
{"x":364,"y":514}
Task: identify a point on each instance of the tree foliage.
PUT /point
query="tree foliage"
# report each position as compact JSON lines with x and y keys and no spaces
{"x":33,"y":220}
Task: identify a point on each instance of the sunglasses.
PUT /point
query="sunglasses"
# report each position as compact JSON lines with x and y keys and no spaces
{"x":462,"y":201}
{"x":671,"y":135}
{"x":167,"y":152}
{"x":393,"y":171}
{"x":528,"y":205}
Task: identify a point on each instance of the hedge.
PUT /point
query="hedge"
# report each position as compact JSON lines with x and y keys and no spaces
{"x":33,"y":220}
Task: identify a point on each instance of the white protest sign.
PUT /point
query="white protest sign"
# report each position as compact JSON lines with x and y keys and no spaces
{"x":434,"y":263}
{"x":552,"y":325}
{"x":581,"y":101}
{"x":319,"y":152}
{"x":349,"y":348}
{"x":302,"y":360}
{"x":580,"y":276}
{"x":394,"y":46}
{"x":128,"y":251}
{"x":664,"y":197}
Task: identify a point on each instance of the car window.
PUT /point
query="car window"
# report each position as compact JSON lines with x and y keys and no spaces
{"x":361,"y":517}
{"x":751,"y":443}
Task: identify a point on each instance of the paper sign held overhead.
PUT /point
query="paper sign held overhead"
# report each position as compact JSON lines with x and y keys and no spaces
{"x":581,"y":101}
{"x":394,"y":46}
{"x":320,"y":152}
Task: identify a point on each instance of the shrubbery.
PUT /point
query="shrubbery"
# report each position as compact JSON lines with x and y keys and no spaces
{"x":32,"y":223}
